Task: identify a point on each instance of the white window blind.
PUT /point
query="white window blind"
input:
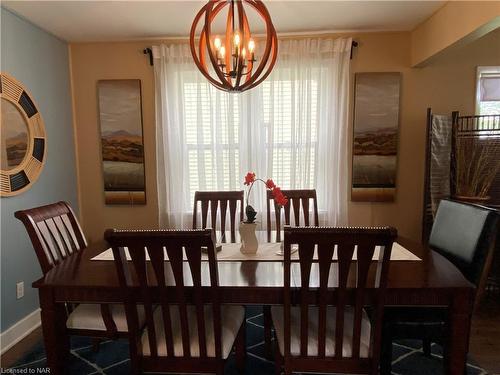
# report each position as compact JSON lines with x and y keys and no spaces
{"x":211,"y":131}
{"x":488,"y":90}
{"x":291,"y":131}
{"x":291,"y":135}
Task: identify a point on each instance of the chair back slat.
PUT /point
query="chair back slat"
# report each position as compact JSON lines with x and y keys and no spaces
{"x":138,"y":258}
{"x":296,"y":200}
{"x":77,"y":239}
{"x":218,"y":201}
{"x":325,"y":255}
{"x":204,"y":213}
{"x":61,"y":227}
{"x":54,"y":232}
{"x":223,"y":209}
{"x":345,"y":252}
{"x":306,"y":255}
{"x":232,"y":216}
{"x":57,"y":239}
{"x":338,"y":287}
{"x":177,"y":287}
{"x":48,"y":241}
{"x":157,"y":256}
{"x":362,"y":268}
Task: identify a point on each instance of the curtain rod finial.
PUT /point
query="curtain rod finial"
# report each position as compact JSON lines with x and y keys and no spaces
{"x":149,"y":51}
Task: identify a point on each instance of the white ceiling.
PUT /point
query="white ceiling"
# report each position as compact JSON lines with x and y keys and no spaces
{"x":79,"y":21}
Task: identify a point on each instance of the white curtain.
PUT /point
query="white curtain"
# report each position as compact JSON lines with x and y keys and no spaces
{"x":291,"y":128}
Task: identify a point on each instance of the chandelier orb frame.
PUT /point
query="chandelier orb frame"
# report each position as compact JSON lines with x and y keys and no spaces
{"x":237,"y":70}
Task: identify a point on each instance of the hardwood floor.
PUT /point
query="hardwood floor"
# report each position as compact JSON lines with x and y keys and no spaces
{"x":484,"y":342}
{"x":485,"y":333}
{"x":21,"y":348}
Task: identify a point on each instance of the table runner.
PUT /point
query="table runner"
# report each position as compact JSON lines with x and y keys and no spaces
{"x":271,"y":252}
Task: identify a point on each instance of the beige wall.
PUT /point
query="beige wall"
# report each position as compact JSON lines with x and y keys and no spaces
{"x":90,"y":63}
{"x":446,"y":84}
{"x":455,"y":23}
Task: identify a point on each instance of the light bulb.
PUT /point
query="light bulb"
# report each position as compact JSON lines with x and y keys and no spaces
{"x":237,"y":39}
{"x":222,"y":51}
{"x":251,"y":45}
{"x":217,"y":43}
{"x":243,"y":53}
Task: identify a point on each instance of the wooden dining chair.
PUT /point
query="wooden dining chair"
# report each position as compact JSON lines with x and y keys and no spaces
{"x":190,"y":330}
{"x":465,"y":234}
{"x":296,"y":200}
{"x":323,"y":326}
{"x":211,"y":201}
{"x":56,"y":234}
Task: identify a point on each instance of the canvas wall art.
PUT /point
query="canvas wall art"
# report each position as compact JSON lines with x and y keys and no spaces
{"x":375,"y":149}
{"x":120,"y":114}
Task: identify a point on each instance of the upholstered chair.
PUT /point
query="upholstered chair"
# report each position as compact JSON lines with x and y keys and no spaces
{"x":56,"y":235}
{"x":465,"y":234}
{"x":188,"y":329}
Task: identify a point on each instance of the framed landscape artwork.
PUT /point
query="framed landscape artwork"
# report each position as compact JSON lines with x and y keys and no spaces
{"x":120,"y":115}
{"x":375,"y":149}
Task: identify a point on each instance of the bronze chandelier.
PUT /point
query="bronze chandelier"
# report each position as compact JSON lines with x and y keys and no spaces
{"x":229,"y":62}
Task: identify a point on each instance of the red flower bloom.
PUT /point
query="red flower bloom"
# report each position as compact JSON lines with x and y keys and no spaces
{"x":249,"y":178}
{"x":282,"y":201}
{"x":279,"y":197}
{"x":270,"y":184}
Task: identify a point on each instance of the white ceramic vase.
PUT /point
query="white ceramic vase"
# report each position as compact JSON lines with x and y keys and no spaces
{"x":249,"y":242}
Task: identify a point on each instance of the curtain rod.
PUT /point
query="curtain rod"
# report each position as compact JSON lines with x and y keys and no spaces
{"x":148,"y":51}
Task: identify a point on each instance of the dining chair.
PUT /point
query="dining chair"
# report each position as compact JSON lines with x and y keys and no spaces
{"x":465,"y":234}
{"x":215,"y":199}
{"x":296,"y":200}
{"x":323,"y":326}
{"x":56,"y":234}
{"x":187,"y":328}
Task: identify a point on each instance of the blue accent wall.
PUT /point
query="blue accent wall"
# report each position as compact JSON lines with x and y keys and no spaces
{"x":40,"y":62}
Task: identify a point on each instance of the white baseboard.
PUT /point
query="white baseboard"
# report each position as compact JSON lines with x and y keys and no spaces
{"x":19,"y":330}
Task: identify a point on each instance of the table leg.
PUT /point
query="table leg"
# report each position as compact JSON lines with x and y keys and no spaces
{"x":56,"y":340}
{"x":460,"y":322}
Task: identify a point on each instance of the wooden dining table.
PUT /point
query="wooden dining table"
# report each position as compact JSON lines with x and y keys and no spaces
{"x":431,"y":281}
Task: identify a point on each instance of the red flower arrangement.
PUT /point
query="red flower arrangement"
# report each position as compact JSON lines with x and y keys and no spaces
{"x":278,"y":195}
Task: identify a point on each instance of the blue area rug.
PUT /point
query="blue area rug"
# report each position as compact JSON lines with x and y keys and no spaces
{"x":113,"y":356}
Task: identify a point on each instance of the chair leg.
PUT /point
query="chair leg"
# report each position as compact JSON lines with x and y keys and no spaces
{"x":135,"y":367}
{"x":220,"y":368}
{"x":426,"y":347}
{"x":268,"y":323}
{"x":95,"y":344}
{"x":278,"y":359}
{"x":240,"y":348}
{"x":386,"y":355}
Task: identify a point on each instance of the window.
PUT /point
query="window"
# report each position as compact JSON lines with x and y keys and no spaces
{"x":488,"y":90}
{"x":213,"y":121}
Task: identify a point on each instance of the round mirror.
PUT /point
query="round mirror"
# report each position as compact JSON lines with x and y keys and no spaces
{"x":23,"y":143}
{"x":14,"y":135}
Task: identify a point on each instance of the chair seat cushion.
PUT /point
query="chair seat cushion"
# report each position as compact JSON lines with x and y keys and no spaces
{"x":89,"y":317}
{"x":312,"y":347}
{"x":231,"y":320}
